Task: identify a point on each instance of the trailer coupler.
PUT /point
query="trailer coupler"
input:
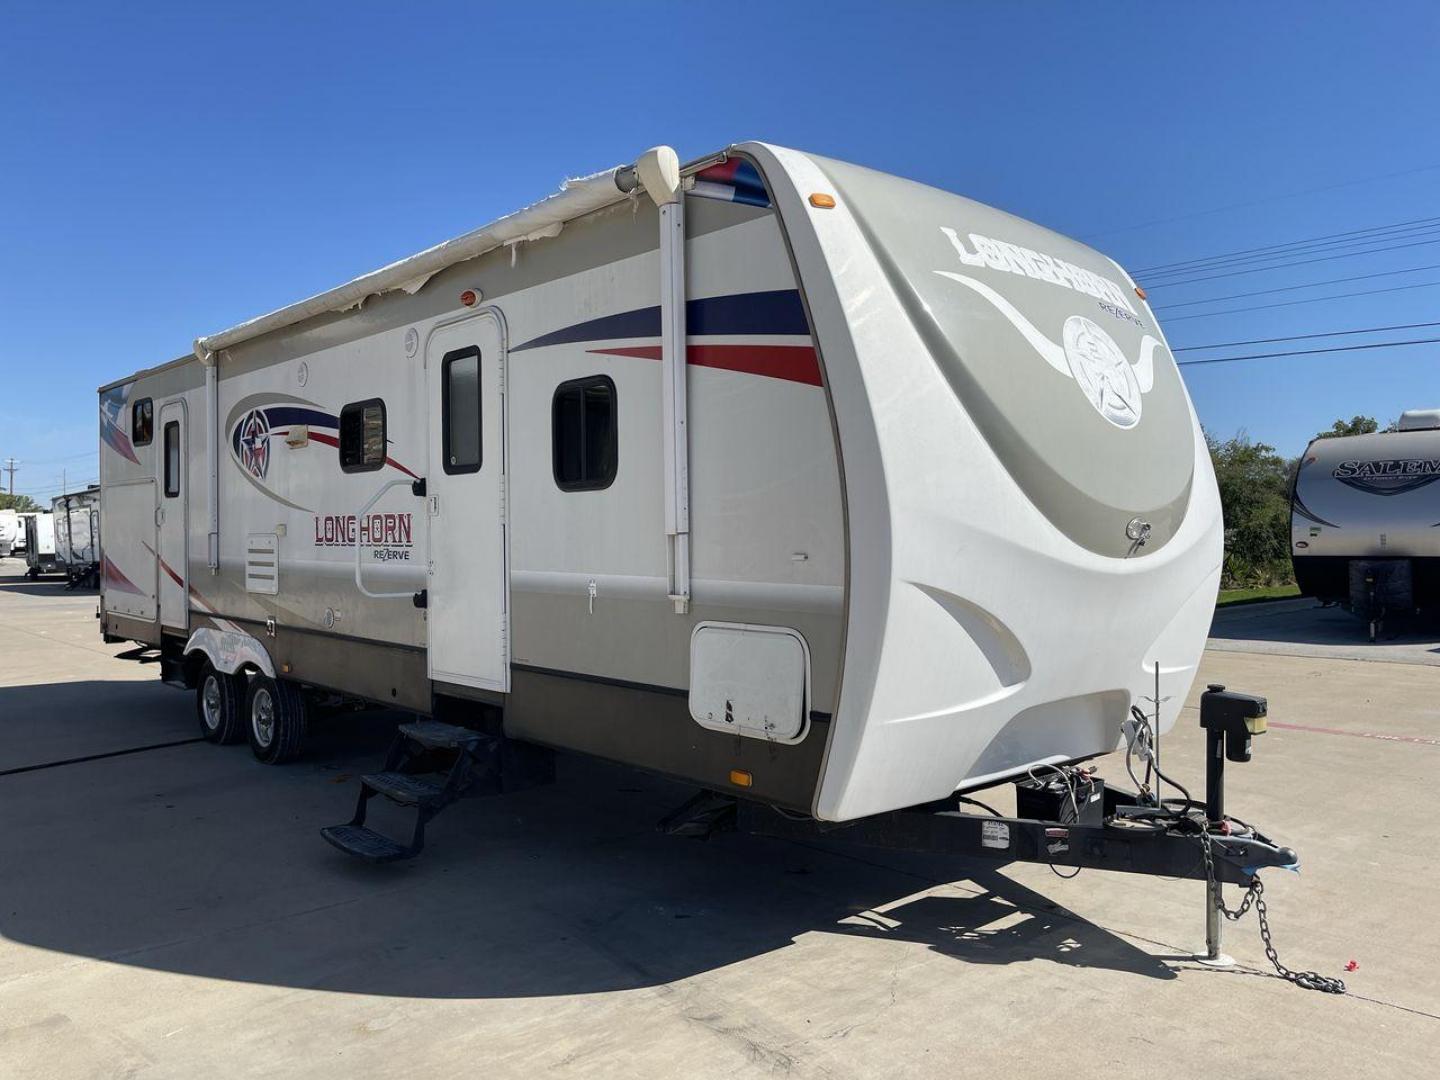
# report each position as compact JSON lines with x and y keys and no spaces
{"x":1067,"y":818}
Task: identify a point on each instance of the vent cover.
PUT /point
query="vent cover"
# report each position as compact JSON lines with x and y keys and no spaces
{"x":262,"y":563}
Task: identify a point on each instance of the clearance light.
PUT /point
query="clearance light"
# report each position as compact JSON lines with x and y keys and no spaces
{"x":471,"y":297}
{"x":741,"y":778}
{"x":1140,"y":292}
{"x":822,"y":201}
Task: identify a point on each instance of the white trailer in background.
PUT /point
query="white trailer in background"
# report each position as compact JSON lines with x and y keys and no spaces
{"x":1365,"y":519}
{"x":12,"y":531}
{"x":76,"y":518}
{"x":40,"y":554}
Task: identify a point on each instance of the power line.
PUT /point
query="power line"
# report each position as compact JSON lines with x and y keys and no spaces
{"x":1293,"y":288}
{"x":1310,"y":300}
{"x":1305,"y":337}
{"x":1287,"y":265}
{"x":1195,"y":262}
{"x":1291,"y":257}
{"x":56,"y":461}
{"x":1307,"y":352}
{"x":1261,"y":202}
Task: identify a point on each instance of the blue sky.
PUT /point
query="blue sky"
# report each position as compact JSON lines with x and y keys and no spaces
{"x":169,"y":170}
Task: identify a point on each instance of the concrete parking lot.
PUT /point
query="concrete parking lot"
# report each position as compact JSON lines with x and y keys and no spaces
{"x":167,"y":908}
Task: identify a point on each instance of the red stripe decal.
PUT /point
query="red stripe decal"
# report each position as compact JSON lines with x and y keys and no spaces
{"x":115,"y":579}
{"x":793,"y":363}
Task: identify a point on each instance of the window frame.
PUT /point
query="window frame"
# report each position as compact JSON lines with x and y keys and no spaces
{"x":361,"y":406}
{"x":581,"y":384}
{"x":446,"y":361}
{"x":135,"y":439}
{"x":166,"y":486}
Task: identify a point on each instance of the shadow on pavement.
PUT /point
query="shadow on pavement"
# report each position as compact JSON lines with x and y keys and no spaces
{"x":196,"y":859}
{"x":44,"y":586}
{"x":1307,"y":622}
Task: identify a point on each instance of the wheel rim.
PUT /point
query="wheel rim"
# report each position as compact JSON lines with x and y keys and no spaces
{"x":211,"y":703}
{"x":262,"y":717}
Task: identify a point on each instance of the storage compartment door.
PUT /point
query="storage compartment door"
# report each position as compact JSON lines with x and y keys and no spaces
{"x":751,"y":680}
{"x":128,"y":564}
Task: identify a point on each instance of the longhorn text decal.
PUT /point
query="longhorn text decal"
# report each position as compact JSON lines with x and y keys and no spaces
{"x":391,"y":535}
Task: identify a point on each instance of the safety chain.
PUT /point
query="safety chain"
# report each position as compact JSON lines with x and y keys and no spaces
{"x":1254,"y":895}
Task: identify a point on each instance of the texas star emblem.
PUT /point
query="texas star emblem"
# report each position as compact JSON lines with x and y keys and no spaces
{"x":255,"y":444}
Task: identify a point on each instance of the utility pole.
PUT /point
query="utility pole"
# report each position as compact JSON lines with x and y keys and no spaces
{"x":10,"y":464}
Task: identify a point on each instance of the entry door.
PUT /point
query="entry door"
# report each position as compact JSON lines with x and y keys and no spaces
{"x":174,"y":495}
{"x":468,"y":591}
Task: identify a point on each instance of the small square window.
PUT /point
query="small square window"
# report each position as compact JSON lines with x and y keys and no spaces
{"x":583,"y":434}
{"x":172,"y":459}
{"x":362,"y":436}
{"x":460,"y":411}
{"x":142,"y":422}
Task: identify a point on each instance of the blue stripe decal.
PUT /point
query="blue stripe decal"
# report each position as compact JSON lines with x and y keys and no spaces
{"x":777,"y":312}
{"x":279,"y":415}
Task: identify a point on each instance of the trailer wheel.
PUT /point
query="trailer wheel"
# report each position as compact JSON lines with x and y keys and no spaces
{"x":275,"y":719}
{"x":217,"y":705}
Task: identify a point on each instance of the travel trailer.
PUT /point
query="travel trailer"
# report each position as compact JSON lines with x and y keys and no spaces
{"x":40,"y":557}
{"x":76,"y":521}
{"x":12,"y":532}
{"x":1365,"y":519}
{"x":786,"y":477}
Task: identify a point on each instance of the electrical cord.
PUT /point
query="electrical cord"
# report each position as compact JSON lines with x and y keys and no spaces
{"x":1070,"y":776}
{"x":1145,"y":736}
{"x":976,"y":802}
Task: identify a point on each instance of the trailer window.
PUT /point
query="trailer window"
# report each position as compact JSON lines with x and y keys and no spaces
{"x":583,"y":434}
{"x":460,"y":411}
{"x":142,"y":422}
{"x":172,"y":459}
{"x":362,"y":436}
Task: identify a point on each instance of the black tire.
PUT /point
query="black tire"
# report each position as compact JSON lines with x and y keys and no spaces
{"x":218,"y":698}
{"x":275,"y":719}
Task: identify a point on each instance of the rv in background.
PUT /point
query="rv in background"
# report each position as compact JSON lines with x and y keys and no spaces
{"x":788,"y":477}
{"x":1365,"y":519}
{"x":11,"y":532}
{"x":76,"y":518}
{"x":40,"y":554}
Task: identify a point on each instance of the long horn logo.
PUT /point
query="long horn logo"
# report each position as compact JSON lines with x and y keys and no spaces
{"x":1112,"y":384}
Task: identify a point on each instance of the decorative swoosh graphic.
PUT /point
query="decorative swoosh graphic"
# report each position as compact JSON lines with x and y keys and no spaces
{"x":1054,"y":354}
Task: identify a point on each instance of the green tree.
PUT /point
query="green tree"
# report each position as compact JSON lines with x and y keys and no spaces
{"x":1356,"y":425}
{"x":1254,"y":486}
{"x":23,"y":503}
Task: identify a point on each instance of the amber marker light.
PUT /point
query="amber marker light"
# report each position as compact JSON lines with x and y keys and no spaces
{"x":741,"y":778}
{"x":822,"y":201}
{"x":1140,"y":293}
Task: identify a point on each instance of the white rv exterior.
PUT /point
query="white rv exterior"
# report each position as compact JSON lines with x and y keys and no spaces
{"x":76,"y":521}
{"x":772,"y":473}
{"x":12,"y":532}
{"x":40,"y":555}
{"x":1365,"y":516}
